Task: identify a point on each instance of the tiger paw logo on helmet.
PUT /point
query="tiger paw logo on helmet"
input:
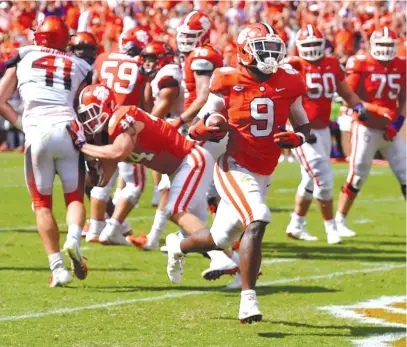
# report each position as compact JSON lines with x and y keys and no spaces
{"x":206,"y":24}
{"x":101,"y":93}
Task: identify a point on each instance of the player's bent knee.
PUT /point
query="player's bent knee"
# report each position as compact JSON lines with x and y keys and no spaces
{"x":222,"y":239}
{"x":305,"y":193}
{"x":131,"y":193}
{"x":325,"y":190}
{"x":43,"y":201}
{"x":75,"y":196}
{"x":101,"y":193}
{"x":261,"y":213}
{"x":350,"y":190}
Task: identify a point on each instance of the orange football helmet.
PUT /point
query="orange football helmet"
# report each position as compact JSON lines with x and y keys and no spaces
{"x":193,"y":31}
{"x":96,"y":105}
{"x":160,"y":52}
{"x":52,"y":32}
{"x":383,"y":44}
{"x":84,"y":45}
{"x":132,"y":41}
{"x":258,"y":44}
{"x":310,"y":43}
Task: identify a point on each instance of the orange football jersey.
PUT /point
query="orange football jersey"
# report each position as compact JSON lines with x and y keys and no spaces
{"x":321,"y":80}
{"x":255,"y":110}
{"x":120,"y":72}
{"x":204,"y":58}
{"x":158,"y":146}
{"x":377,"y":83}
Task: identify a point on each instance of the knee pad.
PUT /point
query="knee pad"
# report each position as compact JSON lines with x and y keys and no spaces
{"x":131,"y":193}
{"x":101,"y":193}
{"x":305,"y":193}
{"x":223,"y":239}
{"x":349,"y":190}
{"x":324,"y":191}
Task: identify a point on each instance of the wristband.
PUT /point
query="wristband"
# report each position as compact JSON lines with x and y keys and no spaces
{"x":302,"y":136}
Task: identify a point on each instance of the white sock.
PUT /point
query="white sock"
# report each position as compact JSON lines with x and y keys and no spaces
{"x":248,"y":294}
{"x":236,"y":258}
{"x":126,"y":227}
{"x":159,"y":224}
{"x":96,"y":226}
{"x":330,"y":224}
{"x":116,"y":196}
{"x":296,"y":219}
{"x":74,"y":232}
{"x":113,"y":226}
{"x":56,"y":260}
{"x":219,"y":257}
{"x":340,"y":217}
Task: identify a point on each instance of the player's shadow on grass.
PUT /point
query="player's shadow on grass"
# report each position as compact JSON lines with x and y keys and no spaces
{"x":334,"y":252}
{"x":359,"y":331}
{"x":260,"y":291}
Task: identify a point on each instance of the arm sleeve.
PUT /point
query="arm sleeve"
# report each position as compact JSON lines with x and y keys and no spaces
{"x":215,"y":103}
{"x":298,"y":115}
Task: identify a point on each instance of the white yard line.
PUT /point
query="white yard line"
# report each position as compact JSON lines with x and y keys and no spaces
{"x":180,"y":295}
{"x":277,"y":260}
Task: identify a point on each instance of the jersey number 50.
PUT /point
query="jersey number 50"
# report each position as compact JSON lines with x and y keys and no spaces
{"x":127,"y":72}
{"x":262,"y":110}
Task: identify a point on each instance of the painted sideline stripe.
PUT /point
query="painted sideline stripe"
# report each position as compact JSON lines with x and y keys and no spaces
{"x":278,"y":260}
{"x":180,"y":295}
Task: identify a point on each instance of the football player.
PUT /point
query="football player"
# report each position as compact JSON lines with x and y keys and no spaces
{"x":139,"y":137}
{"x":120,"y":71}
{"x":259,"y":96}
{"x":379,"y":78}
{"x":323,"y":75}
{"x":84,"y":45}
{"x":56,"y":76}
{"x":167,"y":92}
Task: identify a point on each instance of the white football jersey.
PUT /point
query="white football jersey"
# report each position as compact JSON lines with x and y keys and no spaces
{"x":48,"y":81}
{"x":170,"y":71}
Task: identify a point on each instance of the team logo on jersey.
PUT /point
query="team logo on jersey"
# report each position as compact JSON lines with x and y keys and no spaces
{"x":238,"y":88}
{"x":101,"y":93}
{"x":205,"y":23}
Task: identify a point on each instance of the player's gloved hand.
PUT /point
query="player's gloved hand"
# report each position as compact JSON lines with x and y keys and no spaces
{"x":390,"y":133}
{"x":178,"y":122}
{"x":312,"y":139}
{"x":399,"y":122}
{"x":361,"y":112}
{"x":75,"y":130}
{"x":288,"y":139}
{"x":201,"y":132}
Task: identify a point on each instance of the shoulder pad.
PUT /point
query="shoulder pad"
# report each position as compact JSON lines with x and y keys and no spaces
{"x":202,"y":65}
{"x":19,"y":54}
{"x":289,"y":69}
{"x":120,"y":121}
{"x":222,"y":79}
{"x":355,"y":63}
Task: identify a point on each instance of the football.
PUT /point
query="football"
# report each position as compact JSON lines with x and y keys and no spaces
{"x":217,"y":120}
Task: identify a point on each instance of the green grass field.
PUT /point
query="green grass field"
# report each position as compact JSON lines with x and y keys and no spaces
{"x":127,"y":299}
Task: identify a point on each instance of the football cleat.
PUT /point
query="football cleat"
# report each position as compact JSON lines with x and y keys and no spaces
{"x":78,"y":264}
{"x":332,"y":236}
{"x":249,"y":310}
{"x":215,"y":272}
{"x":126,"y":229}
{"x":94,"y":232}
{"x":344,"y":231}
{"x":175,"y":265}
{"x":144,"y":242}
{"x":164,"y":249}
{"x":299,"y":232}
{"x":60,"y":277}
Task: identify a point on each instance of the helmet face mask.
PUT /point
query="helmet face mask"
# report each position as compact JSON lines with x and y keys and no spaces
{"x":268,"y":53}
{"x":187,"y":40}
{"x":312,"y":50}
{"x":96,"y":104}
{"x":383,"y":50}
{"x":85,"y":52}
{"x":383,"y":44}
